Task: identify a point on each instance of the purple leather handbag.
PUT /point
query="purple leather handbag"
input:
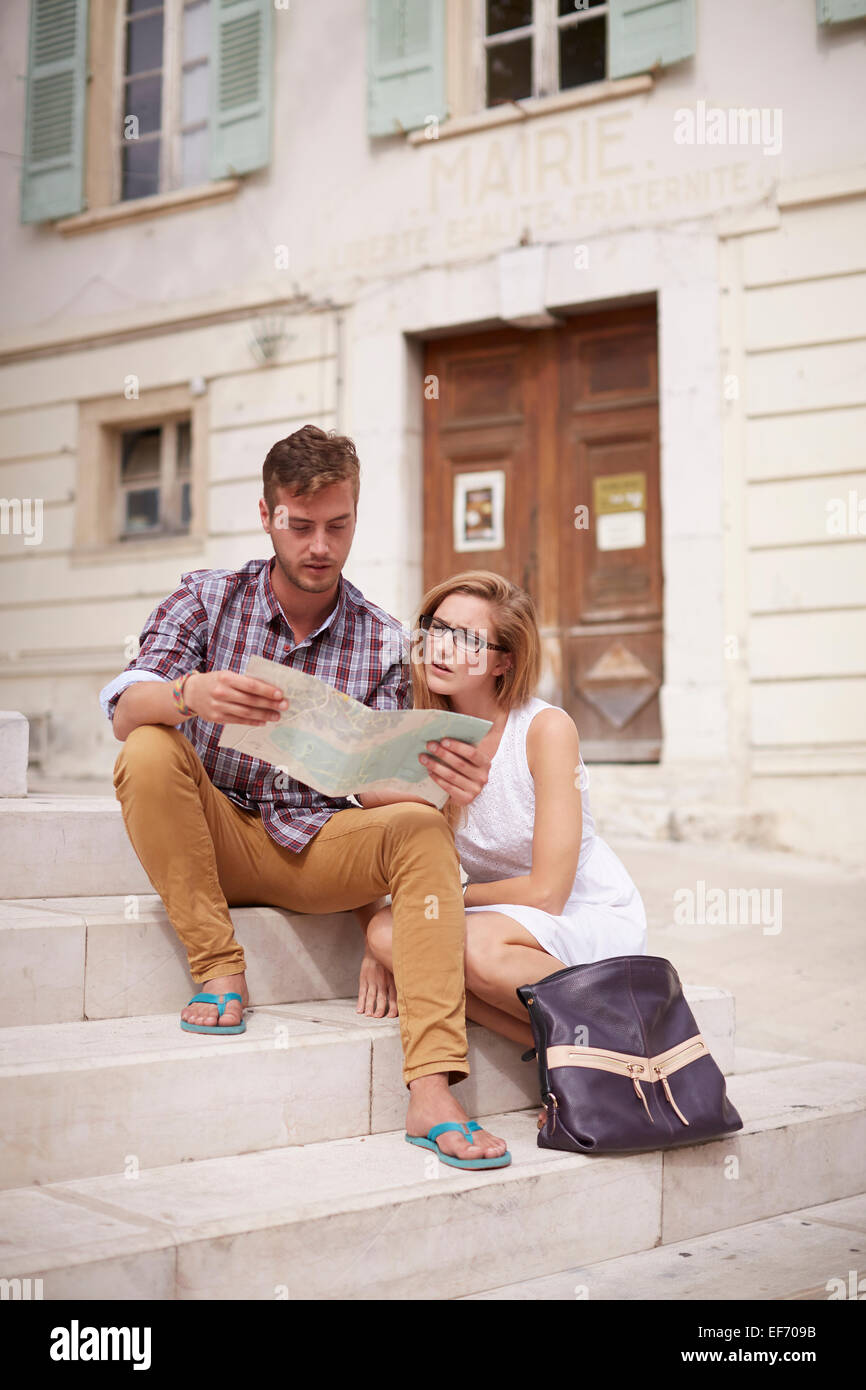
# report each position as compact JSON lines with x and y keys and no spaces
{"x":622,"y":1063}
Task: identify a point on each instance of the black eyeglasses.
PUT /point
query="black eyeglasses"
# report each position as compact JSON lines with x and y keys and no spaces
{"x":462,"y":637}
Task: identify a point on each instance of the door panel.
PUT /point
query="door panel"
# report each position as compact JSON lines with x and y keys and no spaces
{"x":483,"y":421}
{"x":608,"y":466}
{"x":610,"y":593}
{"x":567,"y":418}
{"x":609,"y":359}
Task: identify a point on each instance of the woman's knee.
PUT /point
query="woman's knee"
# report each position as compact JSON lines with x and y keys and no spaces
{"x":380,"y":930}
{"x":483,"y":955}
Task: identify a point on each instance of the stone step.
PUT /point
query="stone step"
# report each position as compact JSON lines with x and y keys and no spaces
{"x":65,"y":959}
{"x":14,"y":745}
{"x":56,"y":845}
{"x":80,"y":1099}
{"x":808,"y":1254}
{"x":371,"y":1217}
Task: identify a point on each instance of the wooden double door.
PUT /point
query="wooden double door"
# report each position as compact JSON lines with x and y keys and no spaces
{"x":542,"y":463}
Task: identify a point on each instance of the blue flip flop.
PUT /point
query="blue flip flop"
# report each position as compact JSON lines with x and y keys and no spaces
{"x":429,"y":1143}
{"x":221,"y":1008}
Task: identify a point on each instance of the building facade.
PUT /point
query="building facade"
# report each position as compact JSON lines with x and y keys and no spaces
{"x":585,"y":283}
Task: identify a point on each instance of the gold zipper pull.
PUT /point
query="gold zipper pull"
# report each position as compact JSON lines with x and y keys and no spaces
{"x":634,"y":1068}
{"x":663,"y":1079}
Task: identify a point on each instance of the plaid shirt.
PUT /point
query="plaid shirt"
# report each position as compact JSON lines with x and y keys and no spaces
{"x":215,"y":621}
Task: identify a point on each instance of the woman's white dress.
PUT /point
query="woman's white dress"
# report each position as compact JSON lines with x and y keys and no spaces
{"x":604,"y":915}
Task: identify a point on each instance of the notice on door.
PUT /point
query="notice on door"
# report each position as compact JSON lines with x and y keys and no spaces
{"x":479,"y":510}
{"x":620,"y":511}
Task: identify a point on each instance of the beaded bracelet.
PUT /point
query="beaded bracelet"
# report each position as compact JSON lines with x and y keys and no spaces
{"x":177,"y":686}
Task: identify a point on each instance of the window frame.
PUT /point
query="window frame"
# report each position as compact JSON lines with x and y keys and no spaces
{"x":178,"y":128}
{"x":545,"y":29}
{"x":169,"y":482}
{"x":98,"y":515}
{"x":171,"y":128}
{"x":119,"y":82}
{"x":530,"y":31}
{"x":103,"y":206}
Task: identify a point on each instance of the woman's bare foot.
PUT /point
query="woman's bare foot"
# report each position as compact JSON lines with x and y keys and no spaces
{"x":208,"y":1014}
{"x":431,"y":1103}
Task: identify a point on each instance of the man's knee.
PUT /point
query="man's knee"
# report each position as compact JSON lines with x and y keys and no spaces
{"x":412,"y":817}
{"x":416,"y":829}
{"x":146,"y":752}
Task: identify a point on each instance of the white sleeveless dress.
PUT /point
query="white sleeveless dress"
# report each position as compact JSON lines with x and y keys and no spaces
{"x":604,"y":915}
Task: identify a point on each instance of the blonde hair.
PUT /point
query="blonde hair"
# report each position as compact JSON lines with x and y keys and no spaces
{"x":515,"y":626}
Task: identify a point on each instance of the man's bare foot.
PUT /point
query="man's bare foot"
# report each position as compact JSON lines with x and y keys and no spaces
{"x":208,"y":1014}
{"x":431,"y":1103}
{"x":542,"y":1116}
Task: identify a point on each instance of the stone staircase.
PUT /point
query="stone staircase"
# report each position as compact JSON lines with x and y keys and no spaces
{"x":139,"y":1161}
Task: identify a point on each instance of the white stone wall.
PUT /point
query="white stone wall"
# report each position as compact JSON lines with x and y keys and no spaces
{"x":67,"y":623}
{"x":352,"y":210}
{"x":795,"y":329}
{"x":756,"y":262}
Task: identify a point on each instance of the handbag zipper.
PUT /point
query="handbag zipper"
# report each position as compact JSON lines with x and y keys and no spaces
{"x":679,"y":1058}
{"x":634,"y":1070}
{"x":630,"y":1069}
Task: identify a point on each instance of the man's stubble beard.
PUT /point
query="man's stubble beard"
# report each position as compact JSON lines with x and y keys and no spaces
{"x":307,"y":583}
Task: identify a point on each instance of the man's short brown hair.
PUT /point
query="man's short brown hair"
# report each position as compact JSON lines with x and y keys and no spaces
{"x":308,"y":460}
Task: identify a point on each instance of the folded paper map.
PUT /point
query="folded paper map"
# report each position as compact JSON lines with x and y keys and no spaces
{"x":329,"y":741}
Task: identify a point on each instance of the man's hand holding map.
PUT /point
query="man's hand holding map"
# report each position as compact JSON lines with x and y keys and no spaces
{"x":329,"y":741}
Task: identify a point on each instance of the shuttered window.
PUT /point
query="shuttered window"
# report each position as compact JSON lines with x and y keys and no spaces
{"x":241,"y":86}
{"x":534,"y":48}
{"x":405,"y":65}
{"x":649,"y":33}
{"x":52,"y":171}
{"x":840,"y":11}
{"x":191,"y":90}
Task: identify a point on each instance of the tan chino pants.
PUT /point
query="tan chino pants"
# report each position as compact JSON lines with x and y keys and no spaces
{"x":204,"y":854}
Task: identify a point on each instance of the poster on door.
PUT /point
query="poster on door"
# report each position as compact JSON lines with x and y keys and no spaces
{"x":620,"y":511}
{"x":479,"y":510}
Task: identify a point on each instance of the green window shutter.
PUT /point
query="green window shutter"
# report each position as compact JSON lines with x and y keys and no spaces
{"x":52,"y":175}
{"x":838,"y":11}
{"x":240,"y":120}
{"x":405,"y":64}
{"x":646,"y":33}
